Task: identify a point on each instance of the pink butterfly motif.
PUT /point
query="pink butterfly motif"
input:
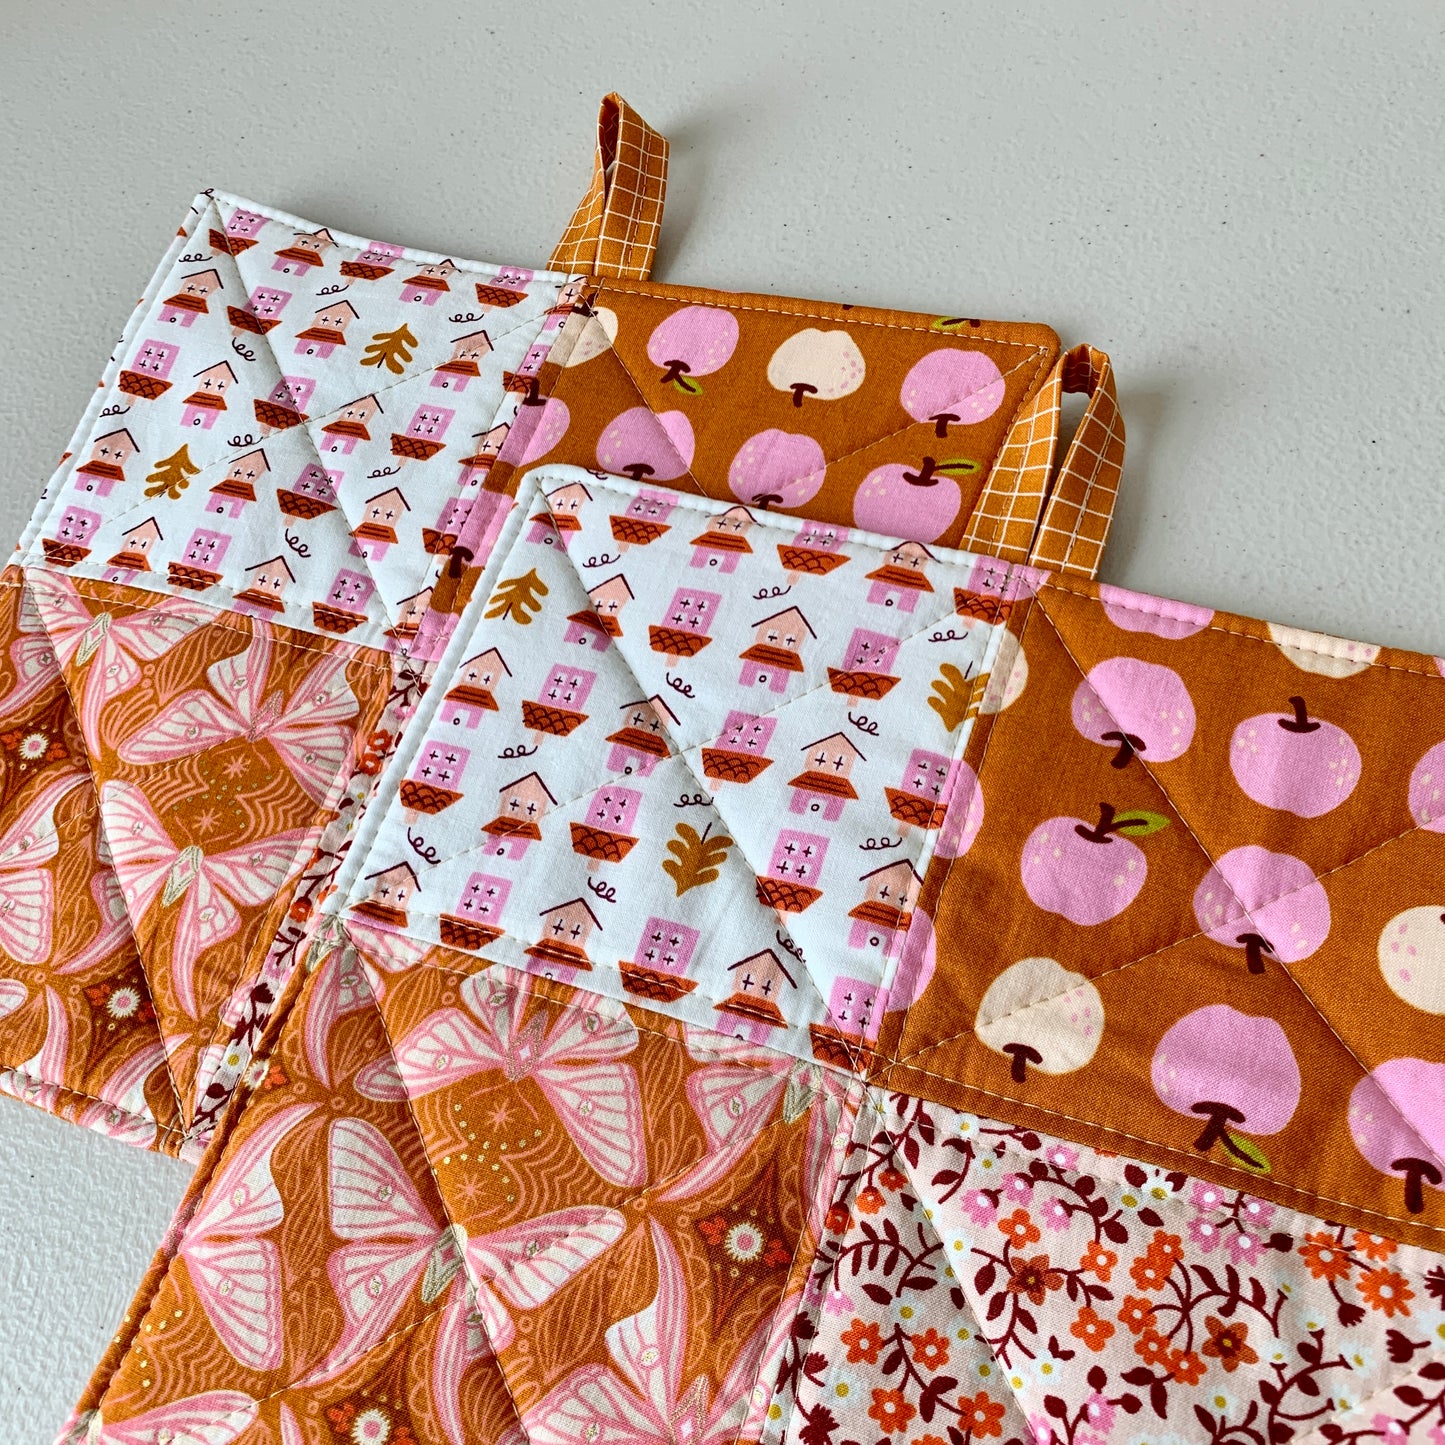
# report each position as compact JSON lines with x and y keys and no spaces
{"x":395,"y":1242}
{"x":308,"y":731}
{"x":121,"y":1110}
{"x":107,"y":647}
{"x":235,"y":1272}
{"x":13,"y":993}
{"x":27,"y":900}
{"x":574,"y":1063}
{"x":339,"y":988}
{"x":215,"y":1418}
{"x":114,"y":927}
{"x":208,"y":888}
{"x":641,"y":1401}
{"x":32,"y":655}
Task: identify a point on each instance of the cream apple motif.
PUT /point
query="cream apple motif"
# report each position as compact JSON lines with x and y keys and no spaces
{"x":1228,"y":1068}
{"x":1265,"y":903}
{"x":1036,"y":1012}
{"x":695,"y":341}
{"x":597,"y":334}
{"x":952,"y":386}
{"x":1137,"y":708}
{"x":642,"y":443}
{"x":1412,"y":956}
{"x":1427,"y":790}
{"x":777,"y":469}
{"x":1294,"y":763}
{"x":1134,"y":612}
{"x":1007,"y":677}
{"x":1397,"y":1120}
{"x":820,"y":364}
{"x":1321,"y":654}
{"x":1088,"y":872}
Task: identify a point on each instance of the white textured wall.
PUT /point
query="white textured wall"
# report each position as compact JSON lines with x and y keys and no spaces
{"x":1243,"y":204}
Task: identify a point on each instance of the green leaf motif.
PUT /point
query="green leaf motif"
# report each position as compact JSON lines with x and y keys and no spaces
{"x":687,"y":386}
{"x":949,"y":324}
{"x":1250,"y":1154}
{"x":958,"y":467}
{"x":1140,"y":824}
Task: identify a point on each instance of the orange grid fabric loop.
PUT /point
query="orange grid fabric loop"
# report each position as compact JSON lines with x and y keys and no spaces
{"x":1029,"y":513}
{"x":613,"y":231}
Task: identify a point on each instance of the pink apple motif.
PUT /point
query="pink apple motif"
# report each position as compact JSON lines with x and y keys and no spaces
{"x":1134,"y":612}
{"x":1265,"y":903}
{"x":1229,"y":1068}
{"x":919,"y":504}
{"x":915,"y":963}
{"x":1427,"y":790}
{"x":550,"y":427}
{"x":777,"y":469}
{"x":642,"y":443}
{"x":693,"y":342}
{"x":964,"y":816}
{"x":1087,"y":872}
{"x":1294,"y":763}
{"x":952,"y":385}
{"x":1135,"y":707}
{"x":1397,"y":1120}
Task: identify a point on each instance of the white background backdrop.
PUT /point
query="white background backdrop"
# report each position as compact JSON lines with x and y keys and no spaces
{"x":1243,"y":205}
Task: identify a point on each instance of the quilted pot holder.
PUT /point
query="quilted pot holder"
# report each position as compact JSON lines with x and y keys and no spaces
{"x":616,"y":826}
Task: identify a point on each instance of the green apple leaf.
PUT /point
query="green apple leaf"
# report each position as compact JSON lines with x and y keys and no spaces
{"x":949,"y":324}
{"x":957,"y":467}
{"x":1139,"y":823}
{"x":687,"y":386}
{"x":1248,"y":1153}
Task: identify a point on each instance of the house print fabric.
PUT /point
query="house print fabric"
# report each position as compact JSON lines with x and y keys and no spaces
{"x":647,"y":941}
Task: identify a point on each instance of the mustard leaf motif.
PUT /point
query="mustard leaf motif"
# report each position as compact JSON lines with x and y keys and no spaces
{"x":696,"y":859}
{"x":391,"y":349}
{"x":172,"y":474}
{"x":1138,"y":823}
{"x":519,"y":598}
{"x":952,"y":692}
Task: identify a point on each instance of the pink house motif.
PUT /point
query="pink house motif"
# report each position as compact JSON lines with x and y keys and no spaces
{"x":391,"y":890}
{"x":345,"y":603}
{"x":606,"y":832}
{"x":741,"y":753}
{"x":377,"y":529}
{"x":145,"y":378}
{"x":285,"y":407}
{"x":521,"y":806}
{"x":597,"y":625}
{"x":902,"y":577}
{"x":436,"y":779}
{"x":641,"y":742}
{"x":557,"y":709}
{"x":643,"y":520}
{"x":724,"y":541}
{"x":304,"y":252}
{"x":927,"y":785}
{"x":327,"y":330}
{"x":477,"y":920}
{"x":865,"y":670}
{"x":422,"y":439}
{"x":374,"y":263}
{"x":312,"y":494}
{"x":882,"y":918}
{"x":238,"y":486}
{"x":71,"y":543}
{"x":824,"y":785}
{"x":135,"y":548}
{"x":489,"y":444}
{"x":856,"y":1008}
{"x":814,"y":552}
{"x":240,"y":233}
{"x":552,"y":526}
{"x":468,"y":352}
{"x":266,"y":584}
{"x":344,"y":431}
{"x":190,"y":301}
{"x":776,"y":650}
{"x":409,"y":614}
{"x":451,"y":519}
{"x":759,"y":981}
{"x":208,"y":400}
{"x":106,"y":463}
{"x":429,"y":282}
{"x":261,"y":313}
{"x":657,"y":969}
{"x":791,"y":883}
{"x":564,"y":934}
{"x":684,"y":630}
{"x":472,"y":694}
{"x":199,"y":567}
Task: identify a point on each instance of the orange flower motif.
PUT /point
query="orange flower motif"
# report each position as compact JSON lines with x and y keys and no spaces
{"x":1228,"y":1343}
{"x":1186,"y":1367}
{"x":1020,"y":1229}
{"x":1033,"y":1277}
{"x":930,"y":1349}
{"x":929,"y":1440}
{"x":1137,"y":1313}
{"x":1384,"y":1290}
{"x":1168,"y":1247}
{"x":1373,"y":1246}
{"x":870,"y":1200}
{"x":981,"y":1415}
{"x":1150,"y":1270}
{"x":891,"y":1178}
{"x":891,"y":1411}
{"x":1324,"y":1257}
{"x":1153,"y":1348}
{"x":1098,"y":1261}
{"x":863,"y":1341}
{"x":1093,"y":1331}
{"x":837,"y":1220}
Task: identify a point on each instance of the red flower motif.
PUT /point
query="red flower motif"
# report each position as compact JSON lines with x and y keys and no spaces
{"x":1137,"y":1313}
{"x":1384,"y":1290}
{"x":1324,"y":1256}
{"x":1020,"y":1229}
{"x":891,"y":1178}
{"x":776,"y":1254}
{"x":891,"y":1411}
{"x":863,"y":1341}
{"x":1033,"y":1277}
{"x":981,"y":1415}
{"x":930,"y":1349}
{"x":713,"y":1230}
{"x":838,"y":1219}
{"x":1228,"y":1343}
{"x":870,"y":1200}
{"x":1097,"y":1260}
